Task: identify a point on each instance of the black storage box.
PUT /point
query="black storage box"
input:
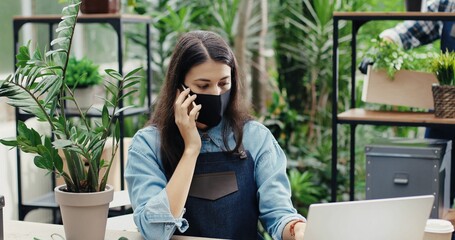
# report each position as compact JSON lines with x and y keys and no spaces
{"x":2,"y":204}
{"x":410,"y":167}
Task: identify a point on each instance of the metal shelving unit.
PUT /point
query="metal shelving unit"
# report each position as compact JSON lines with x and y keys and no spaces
{"x":117,"y":22}
{"x":356,"y":116}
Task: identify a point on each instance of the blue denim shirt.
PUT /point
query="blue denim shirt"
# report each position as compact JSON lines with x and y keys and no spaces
{"x":147,"y":181}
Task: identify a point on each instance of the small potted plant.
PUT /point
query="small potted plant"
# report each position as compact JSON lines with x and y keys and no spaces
{"x":39,"y":87}
{"x":398,"y":77}
{"x":82,"y":75}
{"x":443,"y":66}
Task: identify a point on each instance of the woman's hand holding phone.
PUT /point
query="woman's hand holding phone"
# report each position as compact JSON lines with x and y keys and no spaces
{"x":193,"y":104}
{"x":186,"y":111}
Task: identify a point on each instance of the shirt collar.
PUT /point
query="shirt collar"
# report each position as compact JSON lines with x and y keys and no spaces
{"x":215,"y":134}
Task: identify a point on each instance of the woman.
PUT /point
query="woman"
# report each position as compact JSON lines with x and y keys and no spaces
{"x":203,"y":167}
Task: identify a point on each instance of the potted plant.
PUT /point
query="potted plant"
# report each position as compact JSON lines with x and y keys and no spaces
{"x":82,"y":76}
{"x":443,"y":66}
{"x":398,"y":77}
{"x":39,"y":87}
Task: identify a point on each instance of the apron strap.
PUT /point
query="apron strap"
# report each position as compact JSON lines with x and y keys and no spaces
{"x":241,"y":152}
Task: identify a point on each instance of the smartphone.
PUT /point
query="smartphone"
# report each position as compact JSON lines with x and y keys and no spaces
{"x":184,"y":88}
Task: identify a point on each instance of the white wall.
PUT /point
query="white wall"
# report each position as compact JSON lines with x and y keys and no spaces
{"x":8,"y":183}
{"x":34,"y":181}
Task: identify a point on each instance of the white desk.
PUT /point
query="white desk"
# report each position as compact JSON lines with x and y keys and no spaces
{"x":21,"y":230}
{"x":29,"y":230}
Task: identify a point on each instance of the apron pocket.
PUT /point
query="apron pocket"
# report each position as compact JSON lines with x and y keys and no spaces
{"x":212,"y":186}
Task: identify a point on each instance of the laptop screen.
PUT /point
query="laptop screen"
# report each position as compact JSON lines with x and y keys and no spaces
{"x":379,"y":219}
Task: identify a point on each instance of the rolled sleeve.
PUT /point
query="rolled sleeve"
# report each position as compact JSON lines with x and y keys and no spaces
{"x":393,"y":35}
{"x":157,"y":220}
{"x":146,"y":186}
{"x":274,"y":191}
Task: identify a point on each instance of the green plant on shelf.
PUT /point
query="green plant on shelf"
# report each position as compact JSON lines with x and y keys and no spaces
{"x":82,"y":73}
{"x":392,"y":58}
{"x":443,"y":65}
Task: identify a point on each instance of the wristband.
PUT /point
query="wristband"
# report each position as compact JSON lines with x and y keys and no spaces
{"x":291,"y":228}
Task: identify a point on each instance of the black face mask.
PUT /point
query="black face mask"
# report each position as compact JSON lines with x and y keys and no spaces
{"x":213,"y":107}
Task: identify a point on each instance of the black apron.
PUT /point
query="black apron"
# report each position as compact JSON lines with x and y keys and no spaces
{"x":222,"y":202}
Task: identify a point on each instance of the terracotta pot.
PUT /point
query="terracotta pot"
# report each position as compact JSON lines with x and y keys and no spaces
{"x":84,"y":215}
{"x":100,"y":6}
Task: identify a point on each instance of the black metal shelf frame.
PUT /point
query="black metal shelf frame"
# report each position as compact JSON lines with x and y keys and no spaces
{"x":358,"y":20}
{"x":117,"y":22}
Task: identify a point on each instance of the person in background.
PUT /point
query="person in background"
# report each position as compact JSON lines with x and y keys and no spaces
{"x":411,"y":34}
{"x":202,"y":166}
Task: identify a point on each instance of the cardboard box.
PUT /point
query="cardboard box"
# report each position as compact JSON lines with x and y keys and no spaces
{"x":408,"y":88}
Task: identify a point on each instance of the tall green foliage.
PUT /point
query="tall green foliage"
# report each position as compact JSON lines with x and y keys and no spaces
{"x":169,"y":21}
{"x":303,"y":49}
{"x":291,"y":71}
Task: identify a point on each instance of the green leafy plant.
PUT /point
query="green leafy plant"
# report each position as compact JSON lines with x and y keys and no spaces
{"x":391,"y":57}
{"x":82,"y":73}
{"x":304,"y":191}
{"x":443,"y":65}
{"x":39,"y":87}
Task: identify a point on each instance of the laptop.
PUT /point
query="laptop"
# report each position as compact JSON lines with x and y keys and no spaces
{"x":401,"y":218}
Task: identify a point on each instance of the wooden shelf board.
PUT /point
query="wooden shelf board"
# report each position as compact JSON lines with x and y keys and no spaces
{"x":362,"y":115}
{"x":99,"y":17}
{"x":393,"y":14}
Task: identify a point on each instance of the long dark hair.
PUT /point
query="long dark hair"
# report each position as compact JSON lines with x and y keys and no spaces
{"x":192,"y":49}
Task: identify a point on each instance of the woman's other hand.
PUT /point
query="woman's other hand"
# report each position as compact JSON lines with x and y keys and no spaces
{"x":294,"y":230}
{"x":299,"y":231}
